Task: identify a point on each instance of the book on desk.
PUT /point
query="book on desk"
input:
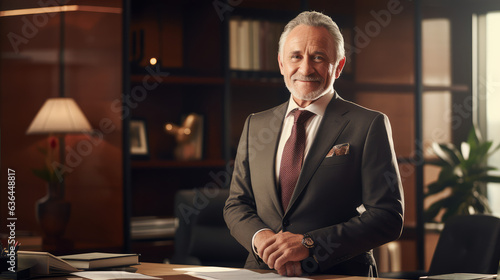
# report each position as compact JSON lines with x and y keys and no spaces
{"x":44,"y":263}
{"x":89,"y":261}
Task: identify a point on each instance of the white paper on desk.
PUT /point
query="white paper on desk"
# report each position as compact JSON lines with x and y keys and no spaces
{"x":104,"y":275}
{"x":241,"y":274}
{"x":223,"y":275}
{"x":206,"y":269}
{"x":277,"y":276}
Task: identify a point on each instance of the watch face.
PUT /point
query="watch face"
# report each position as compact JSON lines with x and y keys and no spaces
{"x":308,"y":242}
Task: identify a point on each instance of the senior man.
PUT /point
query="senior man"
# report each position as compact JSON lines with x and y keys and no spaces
{"x":326,"y":189}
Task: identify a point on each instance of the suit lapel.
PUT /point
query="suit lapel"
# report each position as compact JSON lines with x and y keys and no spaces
{"x":331,"y":127}
{"x":268,"y":156}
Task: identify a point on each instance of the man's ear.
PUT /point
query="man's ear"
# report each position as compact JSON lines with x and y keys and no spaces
{"x":339,"y":68}
{"x":280,"y":63}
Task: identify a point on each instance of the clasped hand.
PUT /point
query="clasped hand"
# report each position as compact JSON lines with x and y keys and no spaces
{"x":282,"y":251}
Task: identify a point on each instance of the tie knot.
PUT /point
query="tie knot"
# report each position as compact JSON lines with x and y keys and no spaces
{"x":301,"y":116}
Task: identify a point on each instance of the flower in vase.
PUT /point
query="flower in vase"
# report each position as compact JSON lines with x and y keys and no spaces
{"x":47,"y":172}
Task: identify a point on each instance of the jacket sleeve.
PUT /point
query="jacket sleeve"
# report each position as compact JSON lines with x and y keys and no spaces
{"x":240,"y":211}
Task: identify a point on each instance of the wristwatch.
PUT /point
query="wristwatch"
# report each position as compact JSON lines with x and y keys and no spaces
{"x":310,"y":264}
{"x":307,"y":241}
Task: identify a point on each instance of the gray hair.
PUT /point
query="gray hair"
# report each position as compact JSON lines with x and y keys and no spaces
{"x":318,"y":20}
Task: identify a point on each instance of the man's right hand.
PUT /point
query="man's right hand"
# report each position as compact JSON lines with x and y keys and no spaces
{"x":260,"y":240}
{"x":266,"y":238}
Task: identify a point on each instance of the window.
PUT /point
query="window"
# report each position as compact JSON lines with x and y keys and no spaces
{"x":491,"y":92}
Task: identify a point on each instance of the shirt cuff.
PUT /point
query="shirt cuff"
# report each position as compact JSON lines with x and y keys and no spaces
{"x":253,"y":239}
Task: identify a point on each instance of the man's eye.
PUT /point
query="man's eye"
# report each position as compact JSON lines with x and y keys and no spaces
{"x":318,"y":58}
{"x":295,"y":57}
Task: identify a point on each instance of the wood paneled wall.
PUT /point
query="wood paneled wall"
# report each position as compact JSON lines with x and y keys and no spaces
{"x":29,"y":74}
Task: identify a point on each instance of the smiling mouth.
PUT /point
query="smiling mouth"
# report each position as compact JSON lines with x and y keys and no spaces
{"x":312,"y":81}
{"x":306,"y":79}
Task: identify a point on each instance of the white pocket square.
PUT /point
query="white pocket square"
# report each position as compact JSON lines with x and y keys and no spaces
{"x":339,"y":150}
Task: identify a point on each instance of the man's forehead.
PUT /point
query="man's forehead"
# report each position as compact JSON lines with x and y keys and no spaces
{"x":311,"y":36}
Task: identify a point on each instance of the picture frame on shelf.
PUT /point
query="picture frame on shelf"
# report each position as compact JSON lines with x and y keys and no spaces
{"x":139,"y":147}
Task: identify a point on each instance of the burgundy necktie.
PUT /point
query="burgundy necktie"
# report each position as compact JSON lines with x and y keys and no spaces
{"x":293,"y":155}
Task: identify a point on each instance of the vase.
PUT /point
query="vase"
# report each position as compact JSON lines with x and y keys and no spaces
{"x":52,"y":213}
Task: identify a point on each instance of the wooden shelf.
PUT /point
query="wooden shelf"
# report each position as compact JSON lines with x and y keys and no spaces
{"x":274,"y":81}
{"x":258,"y":82}
{"x":159,"y":164}
{"x":180,"y":80}
{"x":348,"y":84}
{"x":455,"y":88}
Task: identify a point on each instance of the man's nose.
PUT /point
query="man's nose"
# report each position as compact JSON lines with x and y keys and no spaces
{"x":306,"y":67}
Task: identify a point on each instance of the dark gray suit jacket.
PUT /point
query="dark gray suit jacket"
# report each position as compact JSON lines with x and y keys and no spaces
{"x":329,"y":189}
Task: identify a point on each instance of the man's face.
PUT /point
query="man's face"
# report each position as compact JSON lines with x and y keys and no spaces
{"x":308,"y":62}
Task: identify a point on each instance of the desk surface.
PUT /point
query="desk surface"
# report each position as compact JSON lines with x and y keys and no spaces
{"x":159,"y":269}
{"x":167,"y":272}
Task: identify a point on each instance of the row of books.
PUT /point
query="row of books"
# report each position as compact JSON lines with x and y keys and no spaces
{"x":253,"y":44}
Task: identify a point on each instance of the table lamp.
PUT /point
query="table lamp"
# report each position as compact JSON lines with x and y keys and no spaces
{"x":57,"y":117}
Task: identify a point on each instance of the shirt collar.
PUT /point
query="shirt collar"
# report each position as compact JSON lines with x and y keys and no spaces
{"x":318,"y":107}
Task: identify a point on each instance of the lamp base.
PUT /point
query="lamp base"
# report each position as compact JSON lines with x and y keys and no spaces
{"x":52,"y":213}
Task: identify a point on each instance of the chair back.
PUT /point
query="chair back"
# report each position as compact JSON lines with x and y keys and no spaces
{"x":202,"y":237}
{"x":468,"y":244}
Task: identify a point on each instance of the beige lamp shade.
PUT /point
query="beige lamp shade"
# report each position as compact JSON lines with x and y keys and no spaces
{"x":59,"y":116}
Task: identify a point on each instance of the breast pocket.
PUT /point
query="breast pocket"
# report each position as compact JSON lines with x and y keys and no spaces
{"x":336,"y":160}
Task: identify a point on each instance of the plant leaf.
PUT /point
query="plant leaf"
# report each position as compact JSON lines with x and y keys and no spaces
{"x":437,"y":162}
{"x":447,"y":152}
{"x":489,"y":179}
{"x":474,"y":137}
{"x":494,"y":150}
{"x":465,"y":148}
{"x":43,"y":174}
{"x":431,"y":212}
{"x":478,"y":156}
{"x":452,"y":205}
{"x":435,"y":187}
{"x":483,"y":203}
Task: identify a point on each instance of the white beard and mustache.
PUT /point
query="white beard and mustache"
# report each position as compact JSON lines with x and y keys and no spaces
{"x":309,"y":96}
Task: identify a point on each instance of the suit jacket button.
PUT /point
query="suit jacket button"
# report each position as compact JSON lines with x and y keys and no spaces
{"x":286,"y":223}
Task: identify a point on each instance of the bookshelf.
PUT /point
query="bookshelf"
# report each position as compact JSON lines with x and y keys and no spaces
{"x":185,"y":39}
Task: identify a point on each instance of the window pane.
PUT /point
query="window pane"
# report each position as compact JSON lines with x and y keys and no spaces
{"x":436,"y":114}
{"x":436,"y":66}
{"x":493,"y":99}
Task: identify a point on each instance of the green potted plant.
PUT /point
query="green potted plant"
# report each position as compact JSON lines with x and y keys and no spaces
{"x":464,"y":171}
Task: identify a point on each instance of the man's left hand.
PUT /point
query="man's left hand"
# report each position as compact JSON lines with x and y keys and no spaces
{"x":291,"y":269}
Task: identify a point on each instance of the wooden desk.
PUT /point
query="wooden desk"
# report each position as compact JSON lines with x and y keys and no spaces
{"x":167,"y":270}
